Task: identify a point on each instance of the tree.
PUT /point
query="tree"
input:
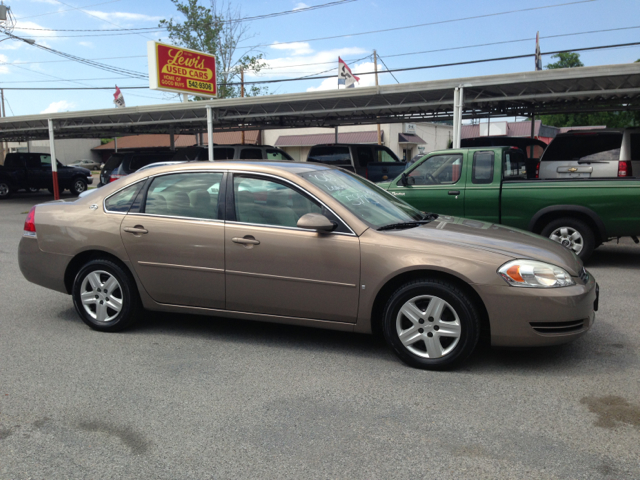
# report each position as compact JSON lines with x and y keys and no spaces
{"x":216,"y":30}
{"x":610,"y":119}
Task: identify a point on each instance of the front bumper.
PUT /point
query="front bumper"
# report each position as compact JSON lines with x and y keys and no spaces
{"x":89,"y":180}
{"x":525,"y":317}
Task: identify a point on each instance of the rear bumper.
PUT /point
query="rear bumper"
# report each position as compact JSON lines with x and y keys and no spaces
{"x":525,"y":317}
{"x":44,"y":269}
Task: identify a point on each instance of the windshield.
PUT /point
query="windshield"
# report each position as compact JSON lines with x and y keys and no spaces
{"x":373,"y":205}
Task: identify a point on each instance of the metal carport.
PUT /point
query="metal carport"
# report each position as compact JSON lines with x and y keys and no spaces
{"x":586,"y":89}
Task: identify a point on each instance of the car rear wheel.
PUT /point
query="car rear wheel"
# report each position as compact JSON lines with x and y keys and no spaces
{"x":105,"y":296}
{"x":574,"y":234}
{"x":5,"y":190}
{"x":431,"y":324}
{"x":79,"y":185}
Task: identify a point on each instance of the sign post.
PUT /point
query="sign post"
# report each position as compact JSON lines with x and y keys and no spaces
{"x":181,"y":70}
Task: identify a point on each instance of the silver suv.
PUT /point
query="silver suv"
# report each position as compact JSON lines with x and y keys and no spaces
{"x":592,"y":153}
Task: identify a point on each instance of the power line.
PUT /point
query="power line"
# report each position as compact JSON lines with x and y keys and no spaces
{"x":68,"y":10}
{"x":440,"y":22}
{"x":423,"y":67}
{"x":238,"y":20}
{"x":385,"y":66}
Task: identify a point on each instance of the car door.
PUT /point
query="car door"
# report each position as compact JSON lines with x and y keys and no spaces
{"x":176,"y":239}
{"x":275,"y":268}
{"x":436,"y":184}
{"x":482,"y":193}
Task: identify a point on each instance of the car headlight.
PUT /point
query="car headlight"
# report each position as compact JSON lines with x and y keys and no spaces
{"x":533,"y":274}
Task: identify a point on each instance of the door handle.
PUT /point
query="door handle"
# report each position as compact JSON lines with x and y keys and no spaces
{"x":138,"y":229}
{"x":245,"y":241}
{"x":454,"y":192}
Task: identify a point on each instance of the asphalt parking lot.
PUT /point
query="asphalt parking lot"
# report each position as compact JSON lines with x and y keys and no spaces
{"x":201,"y":397}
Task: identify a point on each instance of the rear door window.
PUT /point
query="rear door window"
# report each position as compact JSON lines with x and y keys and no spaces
{"x":277,"y":154}
{"x":33,"y":161}
{"x":223,"y":153}
{"x":251,"y":154}
{"x":585,"y":147}
{"x":336,"y":156}
{"x":121,"y":201}
{"x":191,"y":195}
{"x":482,"y":167}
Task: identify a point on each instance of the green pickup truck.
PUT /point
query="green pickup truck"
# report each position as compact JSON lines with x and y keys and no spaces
{"x":491,"y":184}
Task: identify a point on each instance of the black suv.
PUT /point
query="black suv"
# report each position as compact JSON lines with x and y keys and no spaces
{"x":122,"y":164}
{"x":32,"y":171}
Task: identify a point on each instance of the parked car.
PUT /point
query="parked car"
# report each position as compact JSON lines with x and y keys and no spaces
{"x":304,"y":244}
{"x":89,"y":164}
{"x":490,"y":184}
{"x":122,"y":164}
{"x":375,"y":162}
{"x":233,"y":152}
{"x":32,"y":171}
{"x":592,"y":154}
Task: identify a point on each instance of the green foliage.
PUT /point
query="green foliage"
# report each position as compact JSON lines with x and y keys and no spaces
{"x":104,"y":141}
{"x":609,"y":119}
{"x":216,"y":31}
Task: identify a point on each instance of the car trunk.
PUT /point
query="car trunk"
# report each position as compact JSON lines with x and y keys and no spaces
{"x":110,"y":165}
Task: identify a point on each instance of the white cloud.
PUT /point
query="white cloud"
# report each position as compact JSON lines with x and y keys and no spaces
{"x":300,"y":5}
{"x":4,"y":68}
{"x":86,"y":44}
{"x":111,"y":16}
{"x":300,"y":65}
{"x":61,"y":106}
{"x":365,"y":80}
{"x":26,"y":29}
{"x":298,"y":48}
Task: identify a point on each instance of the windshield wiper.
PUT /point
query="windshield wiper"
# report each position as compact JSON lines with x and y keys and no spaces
{"x":396,"y":226}
{"x":430,"y":216}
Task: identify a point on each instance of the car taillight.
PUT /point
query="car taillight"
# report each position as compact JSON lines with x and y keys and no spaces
{"x":114,"y":177}
{"x":366,"y":173}
{"x":538,"y":170}
{"x":624,"y":168}
{"x":30,"y":224}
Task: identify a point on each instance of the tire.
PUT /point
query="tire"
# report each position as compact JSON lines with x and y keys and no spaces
{"x":5,"y":189}
{"x":574,"y":234}
{"x":33,"y":190}
{"x":78,"y":186}
{"x":121,"y":305}
{"x":424,"y":343}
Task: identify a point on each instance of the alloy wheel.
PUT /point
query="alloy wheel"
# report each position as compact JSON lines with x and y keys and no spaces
{"x":569,"y":237}
{"x":4,"y":190}
{"x":79,"y":186}
{"x":101,"y":295}
{"x":428,"y":326}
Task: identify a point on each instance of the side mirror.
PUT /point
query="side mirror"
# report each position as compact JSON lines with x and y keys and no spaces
{"x":407,"y":180}
{"x":317,"y":222}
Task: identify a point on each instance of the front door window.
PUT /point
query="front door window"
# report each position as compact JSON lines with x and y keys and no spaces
{"x":437,"y":170}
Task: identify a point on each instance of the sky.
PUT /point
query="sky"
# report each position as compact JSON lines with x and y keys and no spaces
{"x":295,"y":44}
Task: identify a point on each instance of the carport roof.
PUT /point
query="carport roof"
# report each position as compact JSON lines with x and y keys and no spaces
{"x":586,"y":89}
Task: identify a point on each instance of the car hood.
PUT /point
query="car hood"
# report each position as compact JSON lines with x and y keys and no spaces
{"x":501,"y":239}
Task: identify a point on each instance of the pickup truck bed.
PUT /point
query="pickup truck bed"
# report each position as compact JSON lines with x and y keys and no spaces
{"x":489,"y":184}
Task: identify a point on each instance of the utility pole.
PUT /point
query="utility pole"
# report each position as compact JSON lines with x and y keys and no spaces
{"x":375,"y":68}
{"x":2,"y":149}
{"x":242,"y":94}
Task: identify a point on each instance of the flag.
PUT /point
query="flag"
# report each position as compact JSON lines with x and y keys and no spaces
{"x":538,"y":55}
{"x":345,"y":77}
{"x":118,"y":98}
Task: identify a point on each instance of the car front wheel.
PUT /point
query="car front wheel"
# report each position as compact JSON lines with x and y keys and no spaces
{"x":431,"y":324}
{"x":5,"y":190}
{"x":78,"y":186}
{"x":105,"y":296}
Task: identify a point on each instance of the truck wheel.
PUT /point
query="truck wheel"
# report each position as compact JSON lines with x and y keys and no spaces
{"x":79,"y":185}
{"x":5,"y":190}
{"x":574,"y":234}
{"x":33,"y":190}
{"x":431,"y":324}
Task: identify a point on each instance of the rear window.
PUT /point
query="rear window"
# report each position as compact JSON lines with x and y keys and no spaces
{"x":337,"y":156}
{"x":515,"y":165}
{"x":585,"y":147}
{"x":222,"y":153}
{"x":113,"y":162}
{"x":12,"y":160}
{"x":635,"y":146}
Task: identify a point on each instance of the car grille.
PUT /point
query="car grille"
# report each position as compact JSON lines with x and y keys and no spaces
{"x":559,"y":327}
{"x":584,"y":275}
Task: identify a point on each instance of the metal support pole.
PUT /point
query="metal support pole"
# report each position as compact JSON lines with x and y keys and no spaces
{"x":336,"y":134}
{"x":242,"y":93}
{"x":375,"y":68}
{"x":210,"y":131}
{"x":115,"y":143}
{"x":533,"y":134}
{"x":458,"y":100}
{"x":54,"y":163}
{"x":172,"y":141}
{"x":2,"y":150}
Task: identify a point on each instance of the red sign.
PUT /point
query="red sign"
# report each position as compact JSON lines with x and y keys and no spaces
{"x":181,"y":70}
